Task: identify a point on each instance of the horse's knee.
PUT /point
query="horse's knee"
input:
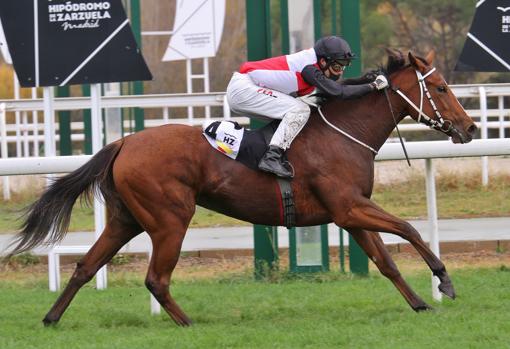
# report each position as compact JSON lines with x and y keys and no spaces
{"x":150,"y":284}
{"x":408,"y":232}
{"x":156,"y":287}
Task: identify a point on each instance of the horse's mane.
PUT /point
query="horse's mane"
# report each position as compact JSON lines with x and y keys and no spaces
{"x":397,"y":61}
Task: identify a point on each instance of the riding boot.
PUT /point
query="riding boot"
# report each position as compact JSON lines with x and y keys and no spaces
{"x":274,"y":161}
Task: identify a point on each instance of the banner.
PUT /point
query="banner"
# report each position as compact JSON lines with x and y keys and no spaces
{"x":57,"y":42}
{"x":487,"y":47}
{"x":198,"y":28}
{"x":3,"y":46}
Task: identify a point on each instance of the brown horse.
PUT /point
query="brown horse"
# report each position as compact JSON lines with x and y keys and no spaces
{"x":152,"y":181}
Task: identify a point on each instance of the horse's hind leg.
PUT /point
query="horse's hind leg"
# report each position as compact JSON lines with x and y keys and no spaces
{"x":373,"y":246}
{"x":165,"y":254}
{"x":115,"y":235}
{"x":367,"y":215}
{"x":165,"y":215}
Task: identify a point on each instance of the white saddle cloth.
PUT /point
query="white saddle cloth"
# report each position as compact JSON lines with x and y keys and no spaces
{"x":228,"y":138}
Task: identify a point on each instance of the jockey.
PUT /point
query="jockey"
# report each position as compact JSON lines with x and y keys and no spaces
{"x":278,"y":87}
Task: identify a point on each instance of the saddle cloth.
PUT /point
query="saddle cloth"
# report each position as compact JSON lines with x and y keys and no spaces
{"x":248,"y":147}
{"x":238,"y":143}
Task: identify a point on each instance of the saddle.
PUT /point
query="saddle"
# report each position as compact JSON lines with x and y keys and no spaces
{"x":248,"y":147}
{"x":238,"y":143}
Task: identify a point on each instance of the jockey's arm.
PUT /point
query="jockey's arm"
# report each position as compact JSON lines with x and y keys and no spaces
{"x":314,"y":76}
{"x":364,"y":79}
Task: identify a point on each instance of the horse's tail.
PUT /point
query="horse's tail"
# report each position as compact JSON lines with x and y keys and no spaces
{"x":47,"y":219}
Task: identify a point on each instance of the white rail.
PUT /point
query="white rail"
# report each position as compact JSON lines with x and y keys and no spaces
{"x":389,"y":151}
{"x":445,"y":149}
{"x":141,"y":101}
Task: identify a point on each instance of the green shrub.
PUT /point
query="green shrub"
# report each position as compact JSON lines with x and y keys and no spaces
{"x":25,"y":259}
{"x":121,"y":259}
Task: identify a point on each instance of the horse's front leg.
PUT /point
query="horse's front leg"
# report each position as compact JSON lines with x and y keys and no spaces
{"x":373,"y":246}
{"x":364,"y":214}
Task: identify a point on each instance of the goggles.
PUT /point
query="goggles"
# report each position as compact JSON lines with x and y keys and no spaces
{"x":339,"y":65}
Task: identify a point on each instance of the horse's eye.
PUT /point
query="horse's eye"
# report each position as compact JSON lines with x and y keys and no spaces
{"x":441,"y":89}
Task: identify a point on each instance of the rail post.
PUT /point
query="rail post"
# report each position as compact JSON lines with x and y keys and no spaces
{"x":484,"y":133}
{"x":258,"y":31}
{"x":433,"y":224}
{"x":350,"y":27}
{"x":4,"y":151}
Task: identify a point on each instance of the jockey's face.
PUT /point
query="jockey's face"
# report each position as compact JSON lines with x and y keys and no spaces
{"x":333,"y":70}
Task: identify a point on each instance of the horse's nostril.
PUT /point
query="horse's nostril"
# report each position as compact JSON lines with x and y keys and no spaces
{"x":471,"y":129}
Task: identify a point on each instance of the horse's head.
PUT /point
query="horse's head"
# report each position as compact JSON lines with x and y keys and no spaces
{"x":428,"y":98}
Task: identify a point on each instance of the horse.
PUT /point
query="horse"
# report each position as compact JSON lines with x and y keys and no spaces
{"x":152,"y":181}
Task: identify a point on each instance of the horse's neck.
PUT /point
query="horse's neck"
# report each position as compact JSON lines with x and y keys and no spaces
{"x":367,"y":119}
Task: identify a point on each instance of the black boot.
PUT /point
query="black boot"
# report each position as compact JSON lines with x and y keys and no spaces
{"x":274,"y":161}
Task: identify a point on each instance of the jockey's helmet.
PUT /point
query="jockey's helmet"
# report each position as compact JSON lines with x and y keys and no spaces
{"x":333,"y":48}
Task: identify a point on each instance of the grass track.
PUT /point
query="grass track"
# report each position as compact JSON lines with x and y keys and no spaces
{"x":325,"y":311}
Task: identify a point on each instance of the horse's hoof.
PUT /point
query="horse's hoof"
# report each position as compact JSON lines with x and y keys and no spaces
{"x":447,"y":289}
{"x":182,"y":320}
{"x":184,"y":323}
{"x":49,"y":322}
{"x":422,"y":307}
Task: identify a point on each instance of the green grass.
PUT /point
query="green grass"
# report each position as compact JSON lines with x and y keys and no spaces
{"x":324,"y":311}
{"x":457,"y":197}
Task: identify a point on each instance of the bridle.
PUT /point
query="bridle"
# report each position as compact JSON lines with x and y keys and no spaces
{"x":439,"y":123}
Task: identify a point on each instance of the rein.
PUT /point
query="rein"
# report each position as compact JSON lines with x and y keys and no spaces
{"x":396,"y":126}
{"x":345,"y":133}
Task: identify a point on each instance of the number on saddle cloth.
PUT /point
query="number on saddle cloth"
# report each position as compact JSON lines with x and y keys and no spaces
{"x":245,"y":146}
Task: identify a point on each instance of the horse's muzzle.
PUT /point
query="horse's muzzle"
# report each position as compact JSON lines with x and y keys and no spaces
{"x":465,"y":136}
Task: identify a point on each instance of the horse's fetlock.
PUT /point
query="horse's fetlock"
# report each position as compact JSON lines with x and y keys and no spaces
{"x":440,"y":272}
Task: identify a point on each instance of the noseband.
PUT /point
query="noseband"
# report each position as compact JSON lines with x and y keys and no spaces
{"x":439,"y":124}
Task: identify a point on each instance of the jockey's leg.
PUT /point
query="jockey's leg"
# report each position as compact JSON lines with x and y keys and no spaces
{"x":244,"y":96}
{"x":292,"y":123}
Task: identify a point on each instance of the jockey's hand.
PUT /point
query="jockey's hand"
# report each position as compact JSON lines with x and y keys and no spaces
{"x":380,"y":82}
{"x":370,"y":75}
{"x":312,"y":99}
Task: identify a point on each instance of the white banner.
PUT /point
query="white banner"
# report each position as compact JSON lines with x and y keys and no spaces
{"x":3,"y":46}
{"x":197,"y":29}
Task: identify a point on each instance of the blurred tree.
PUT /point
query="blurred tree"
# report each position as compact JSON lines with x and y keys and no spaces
{"x":376,"y":33}
{"x":420,"y":26}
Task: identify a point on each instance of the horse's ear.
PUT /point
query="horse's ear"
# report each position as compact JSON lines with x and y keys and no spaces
{"x":416,"y":63}
{"x":430,"y":57}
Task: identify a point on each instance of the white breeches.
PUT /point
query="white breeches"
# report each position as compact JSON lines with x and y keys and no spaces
{"x":245,"y":97}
